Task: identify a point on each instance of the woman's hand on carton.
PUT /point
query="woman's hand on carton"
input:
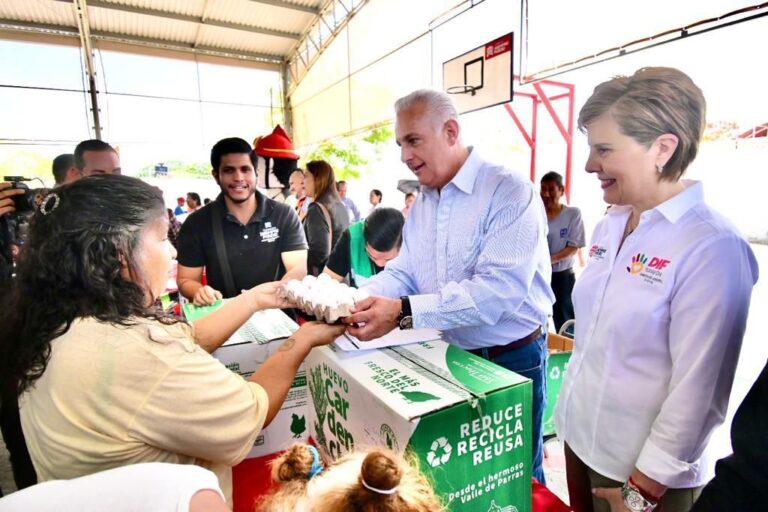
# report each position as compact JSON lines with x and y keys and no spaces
{"x":317,"y":334}
{"x":267,"y":296}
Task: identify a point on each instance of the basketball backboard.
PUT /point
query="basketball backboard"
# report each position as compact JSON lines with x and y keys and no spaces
{"x":481,"y":77}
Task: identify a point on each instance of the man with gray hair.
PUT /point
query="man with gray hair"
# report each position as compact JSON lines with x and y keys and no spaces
{"x":474,"y":261}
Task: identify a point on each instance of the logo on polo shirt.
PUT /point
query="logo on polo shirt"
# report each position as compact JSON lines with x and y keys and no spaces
{"x":563,"y":232}
{"x":270,"y":233}
{"x":638,"y":263}
{"x":649,"y":270}
{"x":597,"y":252}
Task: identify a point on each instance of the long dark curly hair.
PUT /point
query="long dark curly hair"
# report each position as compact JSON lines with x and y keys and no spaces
{"x":71,"y":266}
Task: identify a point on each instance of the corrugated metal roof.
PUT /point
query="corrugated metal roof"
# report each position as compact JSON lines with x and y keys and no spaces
{"x":44,"y":12}
{"x":190,"y":7}
{"x":140,"y":25}
{"x":268,"y":28}
{"x":236,"y":40}
{"x":260,"y":15}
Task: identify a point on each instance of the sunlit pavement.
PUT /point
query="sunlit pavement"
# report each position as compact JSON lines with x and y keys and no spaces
{"x":554,"y":468}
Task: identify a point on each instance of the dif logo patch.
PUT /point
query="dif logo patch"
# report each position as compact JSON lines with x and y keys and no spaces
{"x":640,"y":262}
{"x":597,"y":252}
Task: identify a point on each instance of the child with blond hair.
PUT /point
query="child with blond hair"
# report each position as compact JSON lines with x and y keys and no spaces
{"x":376,"y":480}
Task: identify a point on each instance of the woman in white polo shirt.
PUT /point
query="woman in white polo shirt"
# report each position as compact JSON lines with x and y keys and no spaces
{"x":661,"y":308}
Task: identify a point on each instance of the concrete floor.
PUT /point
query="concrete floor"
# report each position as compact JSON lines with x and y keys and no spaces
{"x":554,"y":468}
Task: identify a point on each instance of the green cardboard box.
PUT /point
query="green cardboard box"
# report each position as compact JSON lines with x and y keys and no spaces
{"x":560,"y":350}
{"x":467,"y":420}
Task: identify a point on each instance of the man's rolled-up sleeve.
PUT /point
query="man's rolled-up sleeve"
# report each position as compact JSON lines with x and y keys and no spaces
{"x":292,"y":236}
{"x":576,"y":236}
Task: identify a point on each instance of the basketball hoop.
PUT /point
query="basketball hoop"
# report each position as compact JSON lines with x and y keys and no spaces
{"x":462,"y":89}
{"x":482,"y":77}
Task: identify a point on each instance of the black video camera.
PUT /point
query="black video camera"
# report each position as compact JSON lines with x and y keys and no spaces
{"x":30,"y":199}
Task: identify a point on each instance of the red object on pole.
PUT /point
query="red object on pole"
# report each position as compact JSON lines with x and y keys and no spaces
{"x":539,"y":95}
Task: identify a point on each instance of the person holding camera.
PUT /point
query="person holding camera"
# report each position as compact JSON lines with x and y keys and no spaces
{"x":7,"y":206}
{"x":7,"y":191}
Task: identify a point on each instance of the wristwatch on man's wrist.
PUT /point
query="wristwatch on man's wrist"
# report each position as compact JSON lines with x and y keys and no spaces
{"x":405,"y":319}
{"x":635,"y":499}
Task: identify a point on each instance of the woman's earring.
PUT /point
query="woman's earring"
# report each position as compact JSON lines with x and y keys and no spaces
{"x":659,"y":168}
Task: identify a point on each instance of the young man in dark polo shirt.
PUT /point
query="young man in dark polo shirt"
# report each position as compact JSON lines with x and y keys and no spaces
{"x":264,"y":239}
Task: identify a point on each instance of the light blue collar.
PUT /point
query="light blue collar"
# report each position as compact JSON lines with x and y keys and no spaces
{"x":465,"y":178}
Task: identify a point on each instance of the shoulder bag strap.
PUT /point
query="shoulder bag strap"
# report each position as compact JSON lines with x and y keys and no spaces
{"x":327,"y":216}
{"x":217,"y":218}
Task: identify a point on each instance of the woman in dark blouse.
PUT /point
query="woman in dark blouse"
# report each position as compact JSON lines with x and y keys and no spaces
{"x":327,"y":217}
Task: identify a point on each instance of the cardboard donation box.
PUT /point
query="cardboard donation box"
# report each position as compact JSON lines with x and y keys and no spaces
{"x":560,"y":349}
{"x":290,"y":424}
{"x":467,"y":420}
{"x":248,"y":349}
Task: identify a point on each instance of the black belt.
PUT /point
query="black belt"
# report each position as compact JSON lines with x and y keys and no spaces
{"x":497,"y":350}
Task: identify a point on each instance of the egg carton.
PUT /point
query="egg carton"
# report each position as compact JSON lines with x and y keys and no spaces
{"x":323,"y":297}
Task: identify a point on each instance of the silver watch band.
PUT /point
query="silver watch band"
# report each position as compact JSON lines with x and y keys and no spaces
{"x":634,"y":500}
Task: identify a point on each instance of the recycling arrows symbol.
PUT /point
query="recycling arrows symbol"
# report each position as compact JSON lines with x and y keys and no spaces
{"x":439,"y":453}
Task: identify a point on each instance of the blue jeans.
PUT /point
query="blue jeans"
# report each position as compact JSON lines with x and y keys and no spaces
{"x":531,"y":362}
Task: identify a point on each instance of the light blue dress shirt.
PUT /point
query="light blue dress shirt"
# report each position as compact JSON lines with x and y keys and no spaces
{"x":354,"y":213}
{"x":475,"y":260}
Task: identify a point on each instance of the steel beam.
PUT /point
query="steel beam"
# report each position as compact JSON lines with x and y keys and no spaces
{"x":83,"y":28}
{"x":40,"y":28}
{"x":186,"y":47}
{"x":60,"y":30}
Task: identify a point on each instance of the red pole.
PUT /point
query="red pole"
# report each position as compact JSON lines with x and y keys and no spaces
{"x":534,"y":137}
{"x":519,"y":125}
{"x":569,"y":144}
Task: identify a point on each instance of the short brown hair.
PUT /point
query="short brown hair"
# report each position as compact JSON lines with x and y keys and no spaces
{"x":325,"y":181}
{"x":650,"y":103}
